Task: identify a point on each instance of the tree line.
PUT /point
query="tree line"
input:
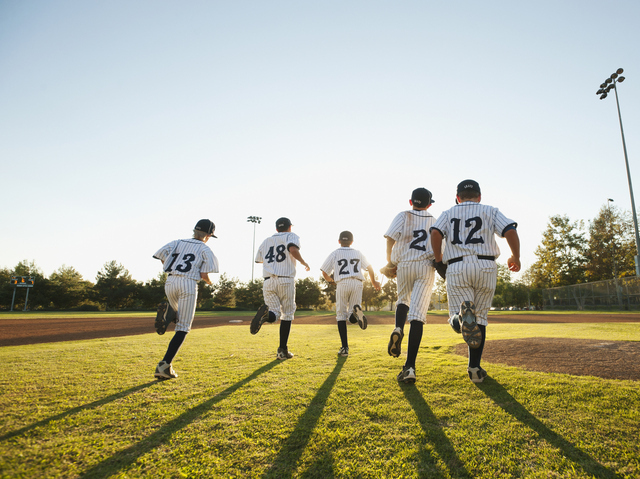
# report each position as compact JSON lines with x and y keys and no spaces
{"x":115,"y":289}
{"x":569,"y":253}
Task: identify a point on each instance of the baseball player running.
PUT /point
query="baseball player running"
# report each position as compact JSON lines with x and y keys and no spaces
{"x":278,"y":255}
{"x":409,"y":248}
{"x":186,"y":262}
{"x":345,"y":267}
{"x":468,"y":230}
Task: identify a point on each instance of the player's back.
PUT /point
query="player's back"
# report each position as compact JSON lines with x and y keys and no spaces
{"x":345,"y":262}
{"x":410,"y":230}
{"x":470,"y":229}
{"x":275,"y":256}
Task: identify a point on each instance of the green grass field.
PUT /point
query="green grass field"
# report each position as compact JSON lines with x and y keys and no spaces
{"x":93,"y":409}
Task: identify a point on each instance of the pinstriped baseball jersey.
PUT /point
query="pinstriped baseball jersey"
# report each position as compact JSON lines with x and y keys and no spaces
{"x":275,"y":257}
{"x":469,"y":229}
{"x":410,"y":230}
{"x":346,"y":263}
{"x":187,"y":258}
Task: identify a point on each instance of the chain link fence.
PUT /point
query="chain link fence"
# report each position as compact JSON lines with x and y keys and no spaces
{"x":622,"y":294}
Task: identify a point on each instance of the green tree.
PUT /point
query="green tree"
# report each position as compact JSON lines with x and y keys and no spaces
{"x":389,"y":292}
{"x":611,"y":245}
{"x":561,"y":255}
{"x":151,"y":293}
{"x":249,"y":295}
{"x":371,"y":299}
{"x":6,"y":289}
{"x":69,"y":289}
{"x":224,"y":292}
{"x":308,"y":293}
{"x":40,"y":295}
{"x":115,"y":287}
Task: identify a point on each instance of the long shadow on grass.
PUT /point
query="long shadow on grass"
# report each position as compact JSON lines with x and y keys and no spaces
{"x":76,"y":410}
{"x":126,"y":457}
{"x":506,"y":401}
{"x":284,"y":464}
{"x":428,"y":466}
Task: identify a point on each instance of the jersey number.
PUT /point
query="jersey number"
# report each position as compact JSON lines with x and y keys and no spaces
{"x":420,"y":237}
{"x":278,"y":256}
{"x":344,"y":265}
{"x":184,"y":265}
{"x":476,"y":222}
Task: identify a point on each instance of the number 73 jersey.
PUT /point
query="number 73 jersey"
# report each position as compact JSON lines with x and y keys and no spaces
{"x":410,"y":230}
{"x":470,"y":228}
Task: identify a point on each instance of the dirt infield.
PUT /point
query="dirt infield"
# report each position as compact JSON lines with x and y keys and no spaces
{"x":606,"y":359}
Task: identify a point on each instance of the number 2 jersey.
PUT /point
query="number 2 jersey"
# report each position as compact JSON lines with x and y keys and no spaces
{"x":275,"y":257}
{"x":345,"y":263}
{"x":410,"y":230}
{"x":470,"y":228}
{"x":188,"y":258}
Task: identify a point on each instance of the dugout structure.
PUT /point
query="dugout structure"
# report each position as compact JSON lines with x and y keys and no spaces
{"x":622,"y":293}
{"x":21,"y":282}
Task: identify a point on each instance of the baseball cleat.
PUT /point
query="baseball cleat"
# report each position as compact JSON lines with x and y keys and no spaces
{"x":407,"y":375}
{"x":454,"y":322}
{"x":470,"y":331}
{"x":258,"y":320}
{"x":360,"y":317}
{"x":343,"y":351}
{"x":165,"y":316}
{"x":164,"y":370}
{"x":477,"y":375}
{"x":283,"y":353}
{"x":353,"y":319}
{"x":395,"y":342}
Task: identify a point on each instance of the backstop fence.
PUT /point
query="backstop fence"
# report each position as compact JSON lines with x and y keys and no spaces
{"x":622,"y":293}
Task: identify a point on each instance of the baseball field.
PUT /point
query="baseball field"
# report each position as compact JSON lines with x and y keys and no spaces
{"x":79,"y":400}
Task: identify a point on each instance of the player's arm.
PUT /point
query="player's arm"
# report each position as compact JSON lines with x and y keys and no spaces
{"x":327,"y":278}
{"x":295,"y":252}
{"x":513,"y":240}
{"x":390,"y":243}
{"x":436,"y":244}
{"x":372,"y":276}
{"x":205,"y":277}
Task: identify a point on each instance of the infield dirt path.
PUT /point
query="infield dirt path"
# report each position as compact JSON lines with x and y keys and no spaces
{"x":607,"y":359}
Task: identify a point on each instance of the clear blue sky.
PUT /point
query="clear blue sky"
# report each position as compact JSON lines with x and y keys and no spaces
{"x":122,"y":123}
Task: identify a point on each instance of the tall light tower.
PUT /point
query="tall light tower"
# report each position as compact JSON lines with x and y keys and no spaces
{"x":255,"y":220}
{"x":608,"y":85}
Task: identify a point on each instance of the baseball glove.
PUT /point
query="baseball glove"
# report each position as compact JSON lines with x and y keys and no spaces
{"x":441,"y":268}
{"x":390,"y":270}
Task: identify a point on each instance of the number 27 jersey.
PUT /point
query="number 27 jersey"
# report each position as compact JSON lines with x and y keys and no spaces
{"x":410,"y":230}
{"x":470,"y":228}
{"x":275,"y":257}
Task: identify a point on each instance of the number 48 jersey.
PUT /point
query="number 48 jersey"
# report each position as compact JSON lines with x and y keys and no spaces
{"x":188,"y":258}
{"x":470,"y":228}
{"x":410,"y":230}
{"x":275,"y":257}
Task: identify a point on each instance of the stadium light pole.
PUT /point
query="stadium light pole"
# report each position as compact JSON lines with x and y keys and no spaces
{"x":255,"y":220}
{"x":608,"y":85}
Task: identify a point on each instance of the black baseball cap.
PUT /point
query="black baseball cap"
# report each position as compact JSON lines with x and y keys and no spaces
{"x":421,"y":197}
{"x":283,"y":223}
{"x":207,"y":226}
{"x":468,"y":185}
{"x":346,"y":236}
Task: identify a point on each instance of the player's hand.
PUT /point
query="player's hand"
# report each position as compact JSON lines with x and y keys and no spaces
{"x":513,"y":264}
{"x":376,"y":284}
{"x":306,"y":267}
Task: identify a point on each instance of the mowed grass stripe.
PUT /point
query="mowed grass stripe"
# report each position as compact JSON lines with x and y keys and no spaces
{"x":92,"y":409}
